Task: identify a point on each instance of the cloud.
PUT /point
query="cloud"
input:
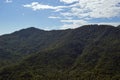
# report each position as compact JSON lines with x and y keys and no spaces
{"x":38,"y":6}
{"x":8,"y":1}
{"x":110,"y":23}
{"x":54,"y":17}
{"x":88,"y":10}
{"x":94,"y":9}
{"x":77,"y":23}
{"x":68,"y":1}
{"x":72,"y":23}
{"x":80,"y":12}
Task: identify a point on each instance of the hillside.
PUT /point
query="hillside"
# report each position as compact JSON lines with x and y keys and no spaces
{"x":90,"y":52}
{"x":27,"y":41}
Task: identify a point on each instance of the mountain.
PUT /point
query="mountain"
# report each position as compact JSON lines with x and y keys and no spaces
{"x":118,"y":26}
{"x":90,"y":52}
{"x":27,"y":41}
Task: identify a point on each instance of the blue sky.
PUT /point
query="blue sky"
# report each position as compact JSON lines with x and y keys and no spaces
{"x":56,"y":14}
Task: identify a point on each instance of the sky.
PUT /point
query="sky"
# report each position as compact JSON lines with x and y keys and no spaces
{"x":56,"y":14}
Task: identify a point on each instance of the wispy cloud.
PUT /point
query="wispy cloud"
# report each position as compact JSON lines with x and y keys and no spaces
{"x":80,"y":12}
{"x":68,"y":1}
{"x":94,"y":9}
{"x":8,"y":1}
{"x":88,"y":10}
{"x":72,"y":23}
{"x":54,"y":17}
{"x":77,"y":23}
{"x":38,"y":6}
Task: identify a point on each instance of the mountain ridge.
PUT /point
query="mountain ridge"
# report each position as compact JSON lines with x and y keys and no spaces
{"x":84,"y":53}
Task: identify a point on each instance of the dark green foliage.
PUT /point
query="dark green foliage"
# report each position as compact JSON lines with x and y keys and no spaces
{"x":91,"y":52}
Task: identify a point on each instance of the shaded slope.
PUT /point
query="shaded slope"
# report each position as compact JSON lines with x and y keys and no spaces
{"x":101,"y":59}
{"x":91,"y":52}
{"x":27,"y":41}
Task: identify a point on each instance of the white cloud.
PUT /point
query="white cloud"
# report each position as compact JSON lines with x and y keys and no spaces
{"x":77,"y":23}
{"x":38,"y":6}
{"x":101,"y":8}
{"x":82,"y":12}
{"x":110,"y":23}
{"x":68,"y":1}
{"x":68,"y":26}
{"x":54,"y":17}
{"x":94,"y":9}
{"x":8,"y":1}
{"x":72,"y":23}
{"x":83,"y":8}
{"x":86,"y":10}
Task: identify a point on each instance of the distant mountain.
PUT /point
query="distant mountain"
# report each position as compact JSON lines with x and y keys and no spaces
{"x":90,"y":52}
{"x":27,"y":41}
{"x":118,"y":26}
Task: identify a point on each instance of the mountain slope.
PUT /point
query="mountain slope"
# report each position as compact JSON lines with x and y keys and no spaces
{"x":90,"y":52}
{"x":27,"y":41}
{"x":101,"y":59}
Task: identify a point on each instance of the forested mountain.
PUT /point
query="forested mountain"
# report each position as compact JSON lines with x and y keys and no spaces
{"x":90,"y":52}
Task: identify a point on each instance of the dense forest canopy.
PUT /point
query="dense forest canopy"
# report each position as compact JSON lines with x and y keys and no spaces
{"x":90,"y":52}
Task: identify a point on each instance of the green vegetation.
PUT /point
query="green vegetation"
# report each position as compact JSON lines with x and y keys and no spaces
{"x":91,"y":52}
